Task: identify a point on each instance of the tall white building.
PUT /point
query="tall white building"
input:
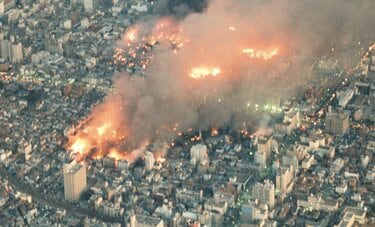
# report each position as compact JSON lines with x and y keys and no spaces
{"x":253,"y":211}
{"x":6,"y":51}
{"x":74,"y":180}
{"x":149,"y":160}
{"x":2,"y":8}
{"x":90,"y":5}
{"x":264,"y":146}
{"x":28,"y":150}
{"x":337,"y":123}
{"x":345,"y":97}
{"x":284,"y":180}
{"x":199,"y":153}
{"x":265,"y":193}
{"x":17,"y":54}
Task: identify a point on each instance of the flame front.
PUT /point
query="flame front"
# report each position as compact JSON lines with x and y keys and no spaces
{"x":80,"y":146}
{"x":261,"y":54}
{"x":214,"y":132}
{"x":102,"y":132}
{"x":102,"y":129}
{"x":137,"y":43}
{"x":132,"y":34}
{"x":111,"y":127}
{"x":202,"y":72}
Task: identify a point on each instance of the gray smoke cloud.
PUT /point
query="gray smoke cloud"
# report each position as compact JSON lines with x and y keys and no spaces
{"x":179,"y":8}
{"x":167,"y":100}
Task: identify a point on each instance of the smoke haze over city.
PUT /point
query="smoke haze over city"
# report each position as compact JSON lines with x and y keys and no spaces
{"x":232,"y":57}
{"x":187,"y":113}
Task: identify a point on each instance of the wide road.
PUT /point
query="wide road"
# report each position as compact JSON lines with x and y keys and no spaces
{"x":45,"y":199}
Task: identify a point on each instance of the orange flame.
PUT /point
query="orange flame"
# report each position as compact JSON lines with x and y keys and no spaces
{"x":80,"y":146}
{"x":214,"y":132}
{"x":132,"y":33}
{"x":102,"y":129}
{"x":116,"y":154}
{"x":102,"y":132}
{"x":160,"y":160}
{"x":262,"y":54}
{"x":202,"y":72}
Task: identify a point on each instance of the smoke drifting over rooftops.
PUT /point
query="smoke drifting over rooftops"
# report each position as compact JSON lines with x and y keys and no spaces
{"x":168,"y":101}
{"x":179,"y":8}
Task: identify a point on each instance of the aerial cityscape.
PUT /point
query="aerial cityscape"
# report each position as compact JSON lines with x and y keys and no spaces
{"x":169,"y":113}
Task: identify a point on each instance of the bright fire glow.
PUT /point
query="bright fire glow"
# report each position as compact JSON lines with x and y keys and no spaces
{"x":80,"y":146}
{"x":160,"y":160}
{"x":102,"y":132}
{"x":214,"y":132}
{"x":102,"y":136}
{"x":115,"y":154}
{"x":138,"y":43}
{"x":261,"y":54}
{"x":102,"y":129}
{"x":202,"y":72}
{"x":106,"y":133}
{"x":131,"y":33}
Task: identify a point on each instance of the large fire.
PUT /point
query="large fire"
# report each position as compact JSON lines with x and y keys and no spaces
{"x":132,"y":34}
{"x":97,"y":143}
{"x":166,"y":30}
{"x":103,"y":135}
{"x":261,"y":54}
{"x":80,"y":146}
{"x":137,"y":52}
{"x":135,"y":49}
{"x":207,"y":69}
{"x":201,"y":72}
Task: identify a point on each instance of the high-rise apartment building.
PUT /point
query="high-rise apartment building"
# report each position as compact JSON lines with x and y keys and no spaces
{"x":265,"y":193}
{"x":149,"y":160}
{"x":284,"y":180}
{"x":74,"y":180}
{"x":337,"y":123}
